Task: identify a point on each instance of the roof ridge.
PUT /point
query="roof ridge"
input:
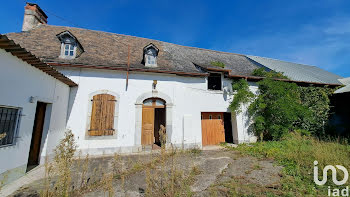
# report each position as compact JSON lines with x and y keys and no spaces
{"x":118,"y":34}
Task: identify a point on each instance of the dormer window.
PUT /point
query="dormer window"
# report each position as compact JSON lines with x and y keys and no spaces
{"x":150,"y":55}
{"x":70,"y":46}
{"x":69,"y":50}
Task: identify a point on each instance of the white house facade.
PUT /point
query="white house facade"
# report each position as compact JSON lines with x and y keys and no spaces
{"x":116,"y":93}
{"x":25,"y":90}
{"x":185,"y":98}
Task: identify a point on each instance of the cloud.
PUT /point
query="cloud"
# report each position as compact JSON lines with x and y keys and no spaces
{"x":325,"y":44}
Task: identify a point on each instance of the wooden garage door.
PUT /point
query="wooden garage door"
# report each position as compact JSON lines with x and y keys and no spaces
{"x":213,"y":131}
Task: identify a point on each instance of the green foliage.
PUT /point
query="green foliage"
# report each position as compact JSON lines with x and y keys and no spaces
{"x":243,"y":95}
{"x":296,"y":153}
{"x":316,"y":99}
{"x":276,"y":109}
{"x":281,"y":107}
{"x":261,"y":72}
{"x":218,"y":64}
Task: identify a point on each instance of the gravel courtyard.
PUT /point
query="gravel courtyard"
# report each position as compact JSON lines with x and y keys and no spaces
{"x":219,"y":172}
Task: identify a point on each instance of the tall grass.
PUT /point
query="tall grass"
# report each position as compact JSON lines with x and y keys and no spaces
{"x":71,"y":176}
{"x":297,"y":154}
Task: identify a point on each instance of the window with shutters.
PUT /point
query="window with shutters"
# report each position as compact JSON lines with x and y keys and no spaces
{"x":102,"y":115}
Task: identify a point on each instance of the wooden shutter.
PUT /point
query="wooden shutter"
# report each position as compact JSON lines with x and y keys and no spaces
{"x":102,"y":115}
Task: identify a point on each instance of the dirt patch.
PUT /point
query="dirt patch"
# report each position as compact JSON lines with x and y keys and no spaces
{"x":216,"y":170}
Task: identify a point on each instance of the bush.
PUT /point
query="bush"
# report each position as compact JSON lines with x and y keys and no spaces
{"x":261,"y":72}
{"x":218,"y":64}
{"x":281,"y":107}
{"x":277,"y":109}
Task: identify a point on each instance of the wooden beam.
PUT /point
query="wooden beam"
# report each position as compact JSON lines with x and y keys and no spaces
{"x":34,"y":62}
{"x":6,"y":43}
{"x":16,"y":51}
{"x":28,"y":58}
{"x":24,"y":55}
{"x":11,"y":47}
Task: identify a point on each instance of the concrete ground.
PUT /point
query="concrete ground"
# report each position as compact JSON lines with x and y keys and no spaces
{"x":216,"y":167}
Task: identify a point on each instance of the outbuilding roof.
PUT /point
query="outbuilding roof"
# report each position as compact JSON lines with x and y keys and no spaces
{"x":20,"y":52}
{"x":298,"y":72}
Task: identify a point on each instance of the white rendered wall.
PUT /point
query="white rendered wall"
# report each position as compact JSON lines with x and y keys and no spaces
{"x":18,"y":82}
{"x":189,"y":96}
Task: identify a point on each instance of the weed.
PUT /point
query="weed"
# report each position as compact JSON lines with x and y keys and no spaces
{"x":195,"y":151}
{"x":297,"y":154}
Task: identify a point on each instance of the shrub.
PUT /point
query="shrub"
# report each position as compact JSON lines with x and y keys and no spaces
{"x":218,"y":64}
{"x":277,"y":109}
{"x":261,"y":72}
{"x":281,"y":107}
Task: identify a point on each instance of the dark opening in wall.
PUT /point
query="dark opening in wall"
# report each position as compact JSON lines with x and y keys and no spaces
{"x":214,"y":81}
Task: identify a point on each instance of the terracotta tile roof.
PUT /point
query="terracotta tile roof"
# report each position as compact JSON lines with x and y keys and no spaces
{"x":110,"y":51}
{"x":16,"y":50}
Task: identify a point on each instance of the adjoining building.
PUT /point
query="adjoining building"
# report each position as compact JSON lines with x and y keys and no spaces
{"x":117,"y":91}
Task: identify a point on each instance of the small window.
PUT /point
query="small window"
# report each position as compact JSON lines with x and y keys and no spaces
{"x":210,"y":117}
{"x":69,"y":50}
{"x":151,"y":57}
{"x":219,"y":116}
{"x":150,"y":53}
{"x":70,"y":46}
{"x":9,"y":118}
{"x":154,"y":102}
{"x":214,"y":81}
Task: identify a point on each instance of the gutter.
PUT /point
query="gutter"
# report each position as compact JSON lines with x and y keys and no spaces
{"x":126,"y":69}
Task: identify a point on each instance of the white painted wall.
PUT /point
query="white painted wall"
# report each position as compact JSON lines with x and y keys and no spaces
{"x":189,"y":96}
{"x":18,"y":82}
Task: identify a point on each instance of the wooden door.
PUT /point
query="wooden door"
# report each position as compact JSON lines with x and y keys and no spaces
{"x":213,"y":131}
{"x":147,"y":137}
{"x":37,"y":134}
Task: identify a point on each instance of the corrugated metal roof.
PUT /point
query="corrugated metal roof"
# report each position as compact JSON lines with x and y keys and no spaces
{"x":298,"y":72}
{"x":346,"y":82}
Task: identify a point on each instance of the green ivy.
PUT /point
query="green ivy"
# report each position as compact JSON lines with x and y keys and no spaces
{"x":242,"y":96}
{"x":281,"y":107}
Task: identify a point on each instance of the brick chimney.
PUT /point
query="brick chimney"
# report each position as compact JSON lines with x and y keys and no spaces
{"x":33,"y":16}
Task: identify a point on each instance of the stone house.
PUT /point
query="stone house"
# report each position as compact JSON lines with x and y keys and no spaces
{"x":122,"y":89}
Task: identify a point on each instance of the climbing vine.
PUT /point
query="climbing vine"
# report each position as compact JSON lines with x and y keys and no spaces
{"x":243,"y":95}
{"x":280,"y":107}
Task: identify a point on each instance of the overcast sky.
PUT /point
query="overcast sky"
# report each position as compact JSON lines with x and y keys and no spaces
{"x":314,"y":32}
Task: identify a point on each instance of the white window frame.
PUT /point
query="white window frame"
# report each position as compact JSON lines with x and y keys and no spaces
{"x":151,"y":53}
{"x":63,"y":50}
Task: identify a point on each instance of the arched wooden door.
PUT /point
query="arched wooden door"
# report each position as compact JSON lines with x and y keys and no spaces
{"x":153,"y":115}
